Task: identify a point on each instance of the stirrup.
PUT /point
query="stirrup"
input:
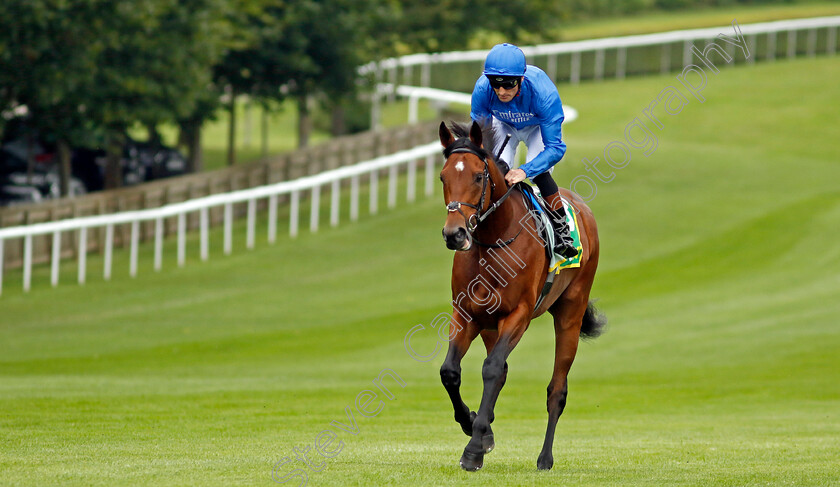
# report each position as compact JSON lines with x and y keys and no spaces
{"x":564,"y":248}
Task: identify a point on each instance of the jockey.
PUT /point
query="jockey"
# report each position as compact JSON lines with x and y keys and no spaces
{"x":522,"y":101}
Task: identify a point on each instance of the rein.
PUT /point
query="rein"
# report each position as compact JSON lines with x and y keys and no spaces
{"x":464,"y":145}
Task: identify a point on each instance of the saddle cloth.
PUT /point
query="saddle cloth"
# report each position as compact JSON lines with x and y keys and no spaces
{"x":557,"y":262}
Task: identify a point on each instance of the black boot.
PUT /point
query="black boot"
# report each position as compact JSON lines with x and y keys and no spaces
{"x":563,"y":242}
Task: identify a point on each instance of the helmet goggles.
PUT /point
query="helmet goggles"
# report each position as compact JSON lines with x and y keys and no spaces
{"x":506,"y":82}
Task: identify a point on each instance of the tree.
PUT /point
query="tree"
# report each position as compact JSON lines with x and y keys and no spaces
{"x":403,"y":27}
{"x":156,"y":66}
{"x":91,"y":68}
{"x":48,"y":53}
{"x":303,"y":49}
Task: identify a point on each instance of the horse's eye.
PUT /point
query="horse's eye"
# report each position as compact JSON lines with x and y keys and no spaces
{"x":441,"y":178}
{"x":479,"y":177}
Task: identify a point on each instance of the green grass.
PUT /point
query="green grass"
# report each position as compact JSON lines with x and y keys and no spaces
{"x":650,"y":22}
{"x":719,"y":273}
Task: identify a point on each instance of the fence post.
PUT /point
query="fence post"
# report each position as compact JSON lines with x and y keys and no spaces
{"x":392,"y":78}
{"x":413,"y":102}
{"x":182,"y":239}
{"x":407,"y":75}
{"x":430,"y":170}
{"x":599,"y":64}
{"x":272,"y":218}
{"x":791,"y":44}
{"x":812,"y":42}
{"x":771,"y":46}
{"x":109,"y":251}
{"x":82,"y":255}
{"x":411,"y":181}
{"x":204,"y":232}
{"x":551,"y":67}
{"x":228,"y":243}
{"x":621,"y":63}
{"x":158,"y":244}
{"x":294,"y":209}
{"x":574,"y":76}
{"x":315,"y":209}
{"x":56,"y":258}
{"x":426,"y":74}
{"x":27,"y":263}
{"x":335,"y":193}
{"x":831,"y":40}
{"x":392,"y":186}
{"x":251,"y":230}
{"x":687,"y":52}
{"x":135,"y":242}
{"x":2,"y":259}
{"x":354,"y":198}
{"x":374,"y":192}
{"x":665,"y":59}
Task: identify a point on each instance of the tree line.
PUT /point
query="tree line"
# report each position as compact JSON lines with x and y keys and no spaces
{"x":87,"y":70}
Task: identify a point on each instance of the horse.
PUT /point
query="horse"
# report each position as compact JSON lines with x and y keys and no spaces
{"x":499,"y":272}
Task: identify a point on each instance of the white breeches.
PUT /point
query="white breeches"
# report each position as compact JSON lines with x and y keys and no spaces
{"x":531,"y":136}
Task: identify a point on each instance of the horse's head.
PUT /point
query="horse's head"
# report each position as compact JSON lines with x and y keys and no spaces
{"x":467,"y":184}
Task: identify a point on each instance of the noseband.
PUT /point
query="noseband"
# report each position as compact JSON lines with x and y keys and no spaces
{"x":465,"y":145}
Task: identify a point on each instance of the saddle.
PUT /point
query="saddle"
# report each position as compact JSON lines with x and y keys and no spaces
{"x":537,"y":208}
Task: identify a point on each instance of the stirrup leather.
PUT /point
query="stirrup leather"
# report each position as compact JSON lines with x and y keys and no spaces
{"x":563,"y":242}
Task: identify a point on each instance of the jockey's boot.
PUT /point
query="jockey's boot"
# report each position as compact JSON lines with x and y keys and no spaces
{"x":563,"y":243}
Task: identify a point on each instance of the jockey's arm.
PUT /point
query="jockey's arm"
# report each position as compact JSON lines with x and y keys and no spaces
{"x":550,"y":113}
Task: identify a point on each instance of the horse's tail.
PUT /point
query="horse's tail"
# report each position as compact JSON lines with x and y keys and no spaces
{"x":594,"y":322}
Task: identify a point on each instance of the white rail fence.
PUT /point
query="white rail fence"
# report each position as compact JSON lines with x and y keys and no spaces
{"x":416,"y":93}
{"x":313,"y":184}
{"x":400,"y":71}
{"x":687,"y":37}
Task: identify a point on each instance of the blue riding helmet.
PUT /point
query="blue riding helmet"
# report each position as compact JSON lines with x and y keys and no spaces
{"x":505,"y":60}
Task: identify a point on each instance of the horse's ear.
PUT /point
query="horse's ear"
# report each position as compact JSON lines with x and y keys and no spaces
{"x":446,"y":138}
{"x":475,"y":133}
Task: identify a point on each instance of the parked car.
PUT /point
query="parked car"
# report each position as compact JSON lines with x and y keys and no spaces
{"x":11,"y":194}
{"x":158,"y":161}
{"x":19,"y":180}
{"x":140,"y":162}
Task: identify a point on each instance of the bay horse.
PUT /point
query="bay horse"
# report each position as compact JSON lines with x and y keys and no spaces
{"x":498,"y":273}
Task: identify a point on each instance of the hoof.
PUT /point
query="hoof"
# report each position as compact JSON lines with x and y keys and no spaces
{"x":488,"y":443}
{"x":471,"y":462}
{"x":545,"y":463}
{"x":467,"y":429}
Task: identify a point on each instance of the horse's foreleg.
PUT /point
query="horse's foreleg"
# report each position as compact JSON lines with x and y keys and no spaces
{"x":567,"y":324}
{"x":493,"y":372}
{"x":450,"y":372}
{"x":490,"y":337}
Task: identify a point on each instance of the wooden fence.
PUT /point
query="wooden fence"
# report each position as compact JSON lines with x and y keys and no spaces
{"x":341,"y":151}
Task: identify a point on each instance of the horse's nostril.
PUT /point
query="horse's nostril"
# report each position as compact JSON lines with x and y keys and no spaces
{"x":457,"y":233}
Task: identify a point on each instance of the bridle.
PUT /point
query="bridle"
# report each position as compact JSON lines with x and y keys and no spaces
{"x":465,"y":145}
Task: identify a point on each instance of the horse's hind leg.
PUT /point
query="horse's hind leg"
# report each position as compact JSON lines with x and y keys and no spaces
{"x":450,"y":372}
{"x":567,"y":323}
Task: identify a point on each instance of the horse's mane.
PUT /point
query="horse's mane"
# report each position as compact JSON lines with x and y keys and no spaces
{"x":488,"y":140}
{"x":488,"y":136}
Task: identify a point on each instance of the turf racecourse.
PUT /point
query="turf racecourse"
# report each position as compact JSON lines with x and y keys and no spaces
{"x":720,"y":273}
